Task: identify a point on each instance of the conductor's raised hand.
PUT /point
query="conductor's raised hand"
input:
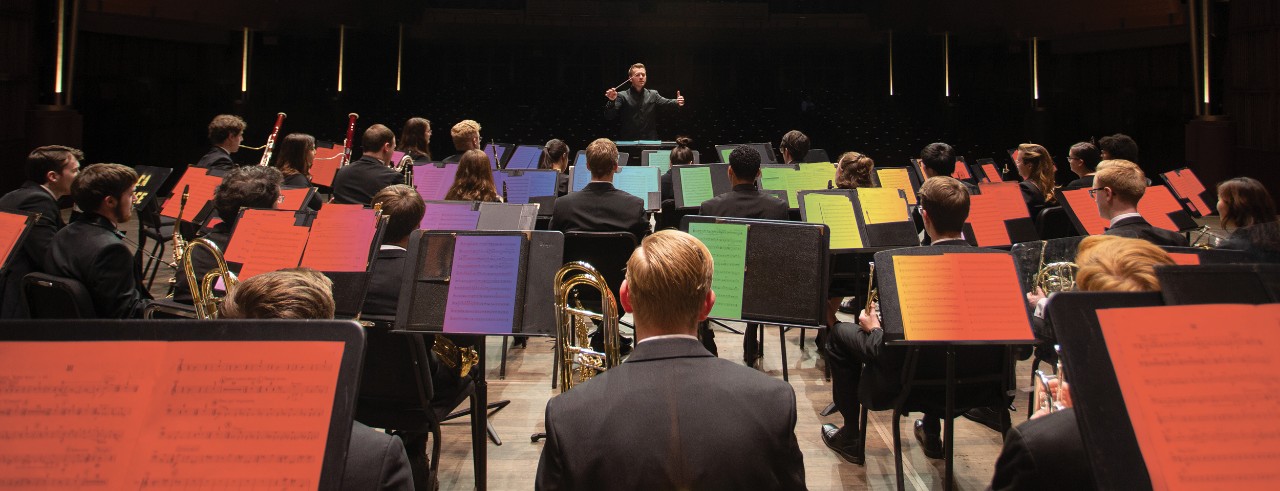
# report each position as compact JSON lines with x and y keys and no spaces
{"x":679,"y":99}
{"x":612,"y":94}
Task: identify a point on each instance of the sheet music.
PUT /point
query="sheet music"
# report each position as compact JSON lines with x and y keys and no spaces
{"x":897,"y":178}
{"x":836,"y":211}
{"x":882,"y":205}
{"x":340,"y":239}
{"x":507,"y":216}
{"x":775,"y":179}
{"x":638,"y":181}
{"x":581,"y":175}
{"x":433,"y":182}
{"x":529,"y":183}
{"x":293,"y":199}
{"x":1199,"y":382}
{"x":961,"y":171}
{"x":325,"y":165}
{"x":264,"y":241}
{"x":727,"y":243}
{"x":660,"y":159}
{"x":993,"y":175}
{"x":450,"y":216}
{"x":989,"y":210}
{"x":1188,"y":187}
{"x":695,"y":185}
{"x":168,"y":415}
{"x":1185,"y":258}
{"x":1156,"y":205}
{"x":1086,"y":210}
{"x":491,"y":150}
{"x":11,"y":227}
{"x":525,"y":157}
{"x":483,"y":284}
{"x":201,"y":191}
{"x":960,"y":297}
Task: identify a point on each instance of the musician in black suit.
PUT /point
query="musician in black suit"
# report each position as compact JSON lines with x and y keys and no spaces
{"x":938,"y":159}
{"x":555,"y":156}
{"x":357,"y":182}
{"x":600,"y":207}
{"x":226,"y":131}
{"x":1045,"y":453}
{"x":1083,"y":159}
{"x":680,"y":155}
{"x":673,"y":416}
{"x":944,"y":205}
{"x":50,"y":171}
{"x":794,"y":147}
{"x":744,"y":201}
{"x":90,"y":249}
{"x":638,"y":106}
{"x":375,"y":460}
{"x":466,"y":136}
{"x":251,"y":186}
{"x":295,"y":157}
{"x":1117,"y":188}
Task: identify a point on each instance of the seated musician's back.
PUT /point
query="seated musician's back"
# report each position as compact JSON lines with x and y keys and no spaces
{"x":600,"y":207}
{"x":1117,"y":188}
{"x":251,"y":186}
{"x":744,"y":201}
{"x":357,"y":182}
{"x":673,"y":416}
{"x":50,"y":172}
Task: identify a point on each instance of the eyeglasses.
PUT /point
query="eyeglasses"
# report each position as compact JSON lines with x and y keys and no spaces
{"x":1093,"y":192}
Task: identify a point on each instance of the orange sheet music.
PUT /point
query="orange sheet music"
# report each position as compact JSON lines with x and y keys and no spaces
{"x":1156,"y":205}
{"x":325,"y":165}
{"x":292,"y":199}
{"x":1086,"y":210}
{"x":1188,"y":187}
{"x":1185,"y":259}
{"x":202,"y":187}
{"x":167,"y":415}
{"x":341,"y":237}
{"x":993,"y":175}
{"x":1199,"y":382}
{"x":898,"y":178}
{"x":266,"y":240}
{"x":11,"y":227}
{"x":961,"y":171}
{"x":989,"y":210}
{"x":961,"y":297}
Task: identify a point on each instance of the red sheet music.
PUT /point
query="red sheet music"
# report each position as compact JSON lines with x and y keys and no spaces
{"x":961,"y":171}
{"x":202,"y":187}
{"x":340,"y":240}
{"x":293,"y":199}
{"x":1187,"y":186}
{"x":1156,"y":205}
{"x":1086,"y":210}
{"x":1185,"y":258}
{"x":11,"y":227}
{"x":961,"y":297}
{"x":1199,"y":384}
{"x":993,"y":175}
{"x":989,"y":210}
{"x":167,"y":415}
{"x":325,"y":165}
{"x":266,"y":240}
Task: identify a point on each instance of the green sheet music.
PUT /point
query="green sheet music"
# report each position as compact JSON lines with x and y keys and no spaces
{"x":728,"y":245}
{"x":724,"y":155}
{"x":836,"y":211}
{"x":660,"y":159}
{"x":695,"y":185}
{"x":809,"y":177}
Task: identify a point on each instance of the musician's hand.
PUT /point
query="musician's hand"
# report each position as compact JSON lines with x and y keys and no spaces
{"x":611,"y":94}
{"x":679,"y":99}
{"x":1035,"y":297}
{"x":868,"y":320}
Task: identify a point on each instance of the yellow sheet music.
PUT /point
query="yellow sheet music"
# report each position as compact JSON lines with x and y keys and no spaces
{"x":837,"y":213}
{"x":882,"y":205}
{"x":897,"y":177}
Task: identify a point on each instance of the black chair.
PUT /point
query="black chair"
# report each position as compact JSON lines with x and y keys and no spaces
{"x":608,"y":252}
{"x":1053,"y":223}
{"x":56,"y":297}
{"x":158,"y":230}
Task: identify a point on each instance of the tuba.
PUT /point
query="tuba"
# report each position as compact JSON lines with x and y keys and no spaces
{"x":202,"y":296}
{"x":577,"y":362}
{"x":1058,"y":276}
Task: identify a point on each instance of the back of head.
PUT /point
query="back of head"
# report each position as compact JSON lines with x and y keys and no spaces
{"x":404,"y":208}
{"x":98,"y":181}
{"x":745,"y":162}
{"x":552,"y":152}
{"x":602,"y":158}
{"x":375,"y":137}
{"x":49,"y":158}
{"x":1118,"y":264}
{"x":251,"y":186}
{"x":296,"y":153}
{"x":1088,"y":154}
{"x":1246,"y":202}
{"x":668,"y":277}
{"x":854,"y":171}
{"x":946,"y":200}
{"x":939,"y":158}
{"x":223,"y":126}
{"x":1126,"y":180}
{"x":682,"y":154}
{"x":796,"y":144}
{"x":413,"y":137}
{"x":474,"y":178}
{"x":1119,"y":147}
{"x":301,"y":293}
{"x":464,"y":134}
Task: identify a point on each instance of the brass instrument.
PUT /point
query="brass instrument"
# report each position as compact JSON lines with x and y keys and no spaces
{"x":873,"y":293}
{"x":179,"y":243}
{"x":1206,"y":238}
{"x":457,"y":359}
{"x":405,"y":168}
{"x":346,"y":144}
{"x":202,"y":297}
{"x":577,"y":361}
{"x":1045,"y":397}
{"x":271,"y":140}
{"x":1058,"y":276}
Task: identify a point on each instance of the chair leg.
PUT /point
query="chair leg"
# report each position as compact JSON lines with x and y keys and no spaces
{"x":862,"y":430}
{"x":897,"y":448}
{"x":802,"y":339}
{"x":435,"y":458}
{"x":782,"y":346}
{"x":502,"y":367}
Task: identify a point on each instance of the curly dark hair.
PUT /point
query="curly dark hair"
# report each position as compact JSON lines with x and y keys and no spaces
{"x":252,"y":186}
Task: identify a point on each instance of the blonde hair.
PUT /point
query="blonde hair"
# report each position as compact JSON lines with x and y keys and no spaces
{"x":1041,"y":164}
{"x":668,"y":277}
{"x":1119,"y":264}
{"x":1125,"y":179}
{"x":299,"y":293}
{"x":463,"y":133}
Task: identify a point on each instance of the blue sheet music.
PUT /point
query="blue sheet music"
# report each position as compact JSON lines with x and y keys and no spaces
{"x":639,"y":181}
{"x":527,"y":184}
{"x":525,"y":157}
{"x":489,"y":150}
{"x":483,"y":284}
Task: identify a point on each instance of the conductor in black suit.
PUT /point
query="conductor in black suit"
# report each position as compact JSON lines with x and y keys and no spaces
{"x":50,"y":171}
{"x":673,"y":416}
{"x":226,"y":131}
{"x":744,"y":201}
{"x":357,"y":182}
{"x":638,"y":106}
{"x":1117,"y":188}
{"x":600,"y":207}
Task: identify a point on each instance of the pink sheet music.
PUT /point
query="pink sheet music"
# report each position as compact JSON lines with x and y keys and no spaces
{"x":341,"y":238}
{"x":1156,"y":205}
{"x":266,"y":240}
{"x":201,"y":191}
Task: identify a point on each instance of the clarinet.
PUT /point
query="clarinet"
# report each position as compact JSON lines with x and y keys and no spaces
{"x":351,"y":131}
{"x":271,"y":140}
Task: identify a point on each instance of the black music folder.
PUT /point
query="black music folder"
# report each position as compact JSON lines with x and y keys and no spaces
{"x":1220,"y":283}
{"x":151,"y":182}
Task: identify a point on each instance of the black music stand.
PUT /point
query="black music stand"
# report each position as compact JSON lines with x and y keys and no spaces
{"x":1212,"y":256}
{"x":1220,"y":283}
{"x":875,"y":236}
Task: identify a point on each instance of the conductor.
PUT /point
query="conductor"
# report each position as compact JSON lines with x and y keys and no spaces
{"x":637,"y":106}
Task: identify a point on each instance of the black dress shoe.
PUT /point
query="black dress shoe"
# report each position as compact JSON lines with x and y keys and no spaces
{"x":849,"y":307}
{"x":991,"y":417}
{"x":931,"y":444}
{"x":845,"y":444}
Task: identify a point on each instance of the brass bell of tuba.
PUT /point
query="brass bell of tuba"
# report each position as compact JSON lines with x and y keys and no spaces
{"x":577,"y":362}
{"x":202,"y":294}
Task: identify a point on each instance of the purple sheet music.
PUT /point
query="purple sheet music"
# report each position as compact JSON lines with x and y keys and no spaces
{"x":483,"y":285}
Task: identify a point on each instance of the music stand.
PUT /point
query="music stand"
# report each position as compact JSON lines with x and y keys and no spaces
{"x":151,"y":181}
{"x":634,"y":148}
{"x":904,"y":178}
{"x":998,"y":217}
{"x":433,"y":179}
{"x":580,"y":159}
{"x":524,"y":157}
{"x":1029,"y":257}
{"x":283,"y":384}
{"x":324,"y":167}
{"x":1083,"y":211}
{"x":809,"y":176}
{"x":641,"y":182}
{"x":1189,"y":191}
{"x":692,"y":185}
{"x":14,"y":227}
{"x":503,"y":152}
{"x":764,"y":149}
{"x":1192,"y":256}
{"x":861,"y":220}
{"x":295,"y":199}
{"x":662,"y":159}
{"x":1219,"y":283}
{"x":520,"y":186}
{"x":986,"y":171}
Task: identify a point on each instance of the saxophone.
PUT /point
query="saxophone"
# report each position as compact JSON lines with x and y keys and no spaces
{"x":179,"y":243}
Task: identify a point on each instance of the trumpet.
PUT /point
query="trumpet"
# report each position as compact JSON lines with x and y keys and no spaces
{"x":202,"y":295}
{"x":577,"y":362}
{"x":1206,"y":238}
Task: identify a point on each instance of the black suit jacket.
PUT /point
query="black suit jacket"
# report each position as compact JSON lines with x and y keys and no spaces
{"x":1033,"y":197}
{"x":673,"y":417}
{"x":201,"y":262}
{"x":375,"y":461}
{"x":31,"y":197}
{"x":216,"y":158}
{"x":667,"y":186}
{"x":638,"y":111}
{"x":745,"y":201}
{"x":301,"y":181}
{"x":1138,"y":228}
{"x":1045,"y":453}
{"x":1085,"y":182}
{"x":384,"y":285}
{"x":600,"y":207}
{"x":90,"y":251}
{"x":357,"y":182}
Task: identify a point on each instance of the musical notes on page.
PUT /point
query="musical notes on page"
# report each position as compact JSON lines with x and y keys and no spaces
{"x":728,"y":245}
{"x":266,"y":240}
{"x":293,"y":199}
{"x":1156,"y":205}
{"x":960,"y":297}
{"x":457,"y":215}
{"x":1085,"y":209}
{"x":695,"y":185}
{"x":340,"y":239}
{"x":638,"y":182}
{"x":201,"y":188}
{"x":989,"y":210}
{"x":1187,"y":186}
{"x":483,"y":284}
{"x":433,"y":182}
{"x":1200,"y":384}
{"x":882,"y":205}
{"x":992,"y":174}
{"x":325,"y":165}
{"x":836,"y":211}
{"x":897,"y":178}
